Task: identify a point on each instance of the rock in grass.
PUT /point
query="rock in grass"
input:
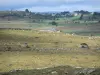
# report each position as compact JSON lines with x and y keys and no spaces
{"x":54,"y":73}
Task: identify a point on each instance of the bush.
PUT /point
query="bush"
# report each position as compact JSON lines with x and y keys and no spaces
{"x":54,"y":23}
{"x":27,"y":46}
{"x":8,"y":48}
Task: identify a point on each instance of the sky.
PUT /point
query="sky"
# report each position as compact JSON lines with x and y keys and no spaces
{"x":50,"y":5}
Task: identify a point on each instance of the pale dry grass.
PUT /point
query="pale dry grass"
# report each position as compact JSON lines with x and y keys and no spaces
{"x":39,"y":59}
{"x":30,"y":60}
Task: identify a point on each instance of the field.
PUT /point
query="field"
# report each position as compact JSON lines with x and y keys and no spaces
{"x":46,"y":49}
{"x":28,"y":60}
{"x":82,"y":28}
{"x":41,"y":48}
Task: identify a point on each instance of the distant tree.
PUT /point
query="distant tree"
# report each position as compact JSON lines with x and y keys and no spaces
{"x":26,"y":10}
{"x":65,"y":13}
{"x":82,"y":12}
{"x":99,"y":21}
{"x":54,"y":23}
{"x":81,"y":17}
{"x":96,"y":15}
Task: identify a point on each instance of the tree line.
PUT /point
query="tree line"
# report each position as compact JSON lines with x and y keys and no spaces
{"x":45,"y":16}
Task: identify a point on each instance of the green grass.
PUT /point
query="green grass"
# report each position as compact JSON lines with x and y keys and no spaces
{"x":22,"y":24}
{"x":75,"y":17}
{"x":80,"y":28}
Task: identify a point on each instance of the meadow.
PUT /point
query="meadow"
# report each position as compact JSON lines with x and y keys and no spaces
{"x":49,"y":44}
{"x":40,"y":47}
{"x":81,"y":28}
{"x":31,"y":49}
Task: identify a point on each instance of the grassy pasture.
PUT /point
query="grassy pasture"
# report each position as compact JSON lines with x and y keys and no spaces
{"x":22,"y":24}
{"x":34,"y":37}
{"x":30,"y":58}
{"x":82,"y":28}
{"x":46,"y":49}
